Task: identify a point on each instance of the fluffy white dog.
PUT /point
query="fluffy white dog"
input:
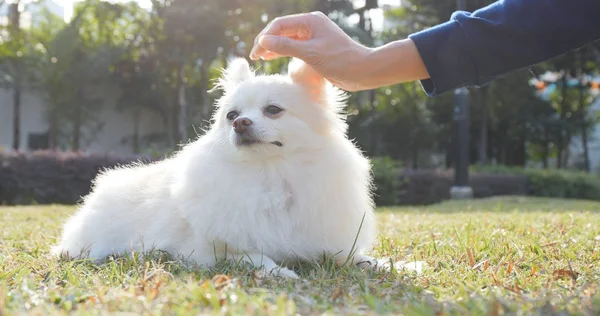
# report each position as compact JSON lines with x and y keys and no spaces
{"x":274,"y":178}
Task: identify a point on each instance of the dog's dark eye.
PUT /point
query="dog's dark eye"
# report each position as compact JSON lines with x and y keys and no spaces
{"x":273,"y":109}
{"x":232,"y":115}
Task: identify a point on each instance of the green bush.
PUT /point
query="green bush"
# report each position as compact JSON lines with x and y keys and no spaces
{"x":386,"y":174}
{"x":552,"y":182}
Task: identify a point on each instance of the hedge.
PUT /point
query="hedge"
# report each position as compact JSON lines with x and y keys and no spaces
{"x":552,"y":182}
{"x":47,"y":177}
{"x":418,"y":187}
{"x":422,"y":187}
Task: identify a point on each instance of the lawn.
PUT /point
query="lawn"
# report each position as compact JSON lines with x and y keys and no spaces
{"x":506,"y":255}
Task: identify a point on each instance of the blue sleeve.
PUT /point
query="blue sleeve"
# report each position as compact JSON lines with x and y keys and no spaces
{"x":472,"y":49}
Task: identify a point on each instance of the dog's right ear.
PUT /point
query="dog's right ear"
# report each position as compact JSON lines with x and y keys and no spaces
{"x":238,"y":70}
{"x":303,"y":74}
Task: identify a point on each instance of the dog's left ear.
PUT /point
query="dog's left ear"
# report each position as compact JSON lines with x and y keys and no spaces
{"x":238,"y":70}
{"x":303,"y":74}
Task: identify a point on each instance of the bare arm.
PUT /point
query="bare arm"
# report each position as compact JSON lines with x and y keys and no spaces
{"x":318,"y":41}
{"x":470,"y":49}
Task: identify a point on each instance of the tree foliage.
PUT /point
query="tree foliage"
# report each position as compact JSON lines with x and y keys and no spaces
{"x":164,"y":61}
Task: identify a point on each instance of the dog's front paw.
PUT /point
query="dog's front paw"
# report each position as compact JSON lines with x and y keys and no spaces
{"x":385,"y":265}
{"x":269,"y":266}
{"x":284,"y":272}
{"x":366,"y":262}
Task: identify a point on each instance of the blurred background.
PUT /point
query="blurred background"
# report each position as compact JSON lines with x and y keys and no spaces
{"x":130,"y":79}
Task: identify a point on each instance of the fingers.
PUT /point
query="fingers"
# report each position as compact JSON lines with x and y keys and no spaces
{"x":284,"y":46}
{"x":297,"y":26}
{"x":270,"y":56}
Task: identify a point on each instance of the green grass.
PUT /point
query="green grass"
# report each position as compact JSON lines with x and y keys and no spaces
{"x":503,"y":255}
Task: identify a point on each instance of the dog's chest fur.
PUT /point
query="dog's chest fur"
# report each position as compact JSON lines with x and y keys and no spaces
{"x":250,"y":207}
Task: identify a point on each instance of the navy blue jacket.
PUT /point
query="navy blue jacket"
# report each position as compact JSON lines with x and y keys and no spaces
{"x":472,"y":49}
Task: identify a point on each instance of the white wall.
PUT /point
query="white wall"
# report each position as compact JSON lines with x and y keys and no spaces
{"x":117,"y":125}
{"x":32,"y":117}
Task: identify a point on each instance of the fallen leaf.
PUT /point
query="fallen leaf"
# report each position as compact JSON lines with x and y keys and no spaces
{"x":336,"y":293}
{"x":511,"y":264}
{"x":220,"y":281}
{"x":154,"y":291}
{"x":563,"y":273}
{"x":534,"y":270}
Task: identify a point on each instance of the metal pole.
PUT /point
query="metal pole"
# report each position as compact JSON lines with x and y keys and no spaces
{"x":461,"y":188}
{"x":461,"y":118}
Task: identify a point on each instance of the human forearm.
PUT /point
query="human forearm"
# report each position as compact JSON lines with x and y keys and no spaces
{"x":393,"y":63}
{"x":474,"y":49}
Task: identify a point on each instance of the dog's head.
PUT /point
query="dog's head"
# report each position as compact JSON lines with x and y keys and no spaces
{"x":277,"y":113}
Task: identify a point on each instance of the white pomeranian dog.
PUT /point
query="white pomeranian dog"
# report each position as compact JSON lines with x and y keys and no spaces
{"x":275,"y":178}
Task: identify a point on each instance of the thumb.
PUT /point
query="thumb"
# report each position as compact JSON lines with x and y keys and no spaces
{"x":284,"y":46}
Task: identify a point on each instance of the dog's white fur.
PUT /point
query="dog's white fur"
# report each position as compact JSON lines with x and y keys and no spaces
{"x":262,"y":203}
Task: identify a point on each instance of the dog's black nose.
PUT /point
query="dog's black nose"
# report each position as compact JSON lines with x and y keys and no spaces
{"x":241,"y":124}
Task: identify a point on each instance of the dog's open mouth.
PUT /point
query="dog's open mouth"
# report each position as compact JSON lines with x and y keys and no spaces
{"x":246,"y":141}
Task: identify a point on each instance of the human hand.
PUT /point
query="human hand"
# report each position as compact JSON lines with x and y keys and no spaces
{"x":319,"y":42}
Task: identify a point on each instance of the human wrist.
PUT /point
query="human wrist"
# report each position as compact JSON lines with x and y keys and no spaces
{"x":393,"y":63}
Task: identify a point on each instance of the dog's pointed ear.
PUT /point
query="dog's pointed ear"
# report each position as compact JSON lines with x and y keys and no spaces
{"x":303,"y":74}
{"x":238,"y":70}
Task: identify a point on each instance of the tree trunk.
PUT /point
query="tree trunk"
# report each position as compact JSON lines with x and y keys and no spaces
{"x":170,"y":124}
{"x":586,"y":151}
{"x":545,"y":155}
{"x":15,"y":27}
{"x":415,"y":156}
{"x":76,"y":140}
{"x":567,"y":151}
{"x":136,"y":131}
{"x":183,"y":107}
{"x":373,"y":125}
{"x":561,"y":140}
{"x":546,"y":149}
{"x":584,"y":132}
{"x":16,"y":141}
{"x":559,"y":152}
{"x":52,"y":130}
{"x":483,"y":133}
{"x":206,"y":106}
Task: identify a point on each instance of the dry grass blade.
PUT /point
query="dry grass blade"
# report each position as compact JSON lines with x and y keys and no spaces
{"x":483,"y":265}
{"x":471,"y":257}
{"x":550,"y":244}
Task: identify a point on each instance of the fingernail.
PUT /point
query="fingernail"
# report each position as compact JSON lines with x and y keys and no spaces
{"x":253,"y":53}
{"x":264,"y":40}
